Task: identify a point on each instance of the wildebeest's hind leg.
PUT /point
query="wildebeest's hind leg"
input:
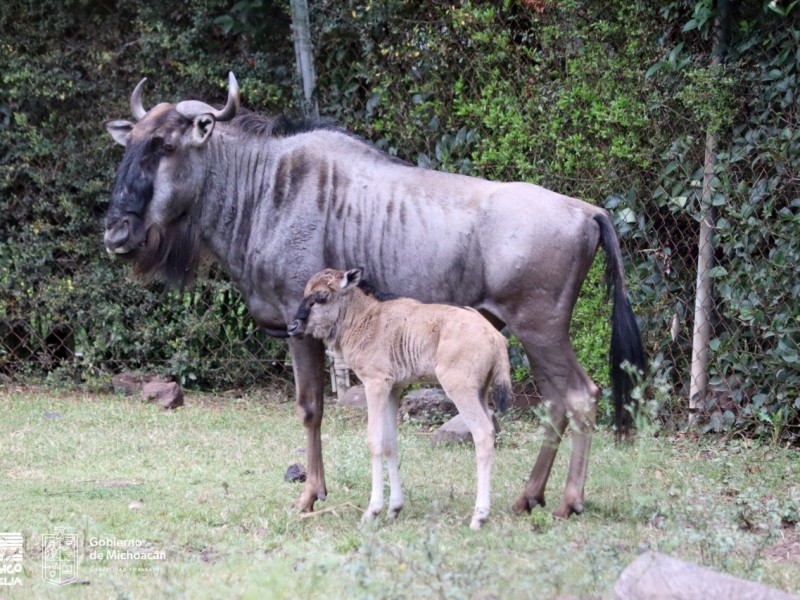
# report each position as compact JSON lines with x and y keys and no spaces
{"x":471,"y":400}
{"x":308,"y":359}
{"x":571,"y":395}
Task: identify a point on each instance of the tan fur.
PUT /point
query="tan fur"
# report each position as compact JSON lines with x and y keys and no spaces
{"x":395,"y":342}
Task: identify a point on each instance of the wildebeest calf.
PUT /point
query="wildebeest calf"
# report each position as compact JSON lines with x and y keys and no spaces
{"x":389,"y":342}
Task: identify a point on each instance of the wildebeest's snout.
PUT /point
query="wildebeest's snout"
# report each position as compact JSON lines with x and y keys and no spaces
{"x":115,"y":237}
{"x":125,"y":228}
{"x":298,"y":325}
{"x":124,"y":235}
{"x":297,"y":328}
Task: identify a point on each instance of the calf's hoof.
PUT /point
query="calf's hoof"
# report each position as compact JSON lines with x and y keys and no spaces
{"x":370,"y":514}
{"x":526,"y":505}
{"x":394,"y":512}
{"x":478,"y":518}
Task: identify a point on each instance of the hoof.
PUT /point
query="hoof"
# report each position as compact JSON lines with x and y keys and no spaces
{"x":479,"y":518}
{"x":565,"y":511}
{"x":393,"y":513}
{"x":526,"y":505}
{"x":477,"y":523}
{"x":304,"y":505}
{"x":370,"y":514}
{"x":322,"y":495}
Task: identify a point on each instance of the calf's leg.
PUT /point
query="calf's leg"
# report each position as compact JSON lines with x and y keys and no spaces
{"x":308,"y":359}
{"x":390,"y":449}
{"x":472,"y":409}
{"x":377,"y":393}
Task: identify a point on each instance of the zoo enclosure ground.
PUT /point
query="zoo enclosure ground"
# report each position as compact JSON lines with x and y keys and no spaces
{"x":204,"y":484}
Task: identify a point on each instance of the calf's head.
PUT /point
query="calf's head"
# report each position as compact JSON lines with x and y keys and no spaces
{"x":149,"y":216}
{"x":323,"y":298}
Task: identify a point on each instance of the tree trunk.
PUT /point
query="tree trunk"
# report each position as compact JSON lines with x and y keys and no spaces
{"x":704,"y":299}
{"x":301,"y":28}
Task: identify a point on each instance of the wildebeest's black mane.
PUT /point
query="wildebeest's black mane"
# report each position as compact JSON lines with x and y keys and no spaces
{"x":279,"y":126}
{"x":258,"y":125}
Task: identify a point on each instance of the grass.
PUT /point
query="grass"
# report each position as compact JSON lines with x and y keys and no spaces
{"x":204,"y":485}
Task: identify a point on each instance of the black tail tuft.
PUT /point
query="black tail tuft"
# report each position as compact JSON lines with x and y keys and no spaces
{"x":500,"y":394}
{"x":626,"y":341}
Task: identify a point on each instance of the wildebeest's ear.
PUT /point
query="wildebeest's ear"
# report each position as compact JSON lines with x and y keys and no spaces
{"x":119,"y":130}
{"x":202,"y":127}
{"x":351,"y":279}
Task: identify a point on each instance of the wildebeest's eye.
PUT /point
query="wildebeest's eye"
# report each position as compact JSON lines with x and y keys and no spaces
{"x":162,"y":146}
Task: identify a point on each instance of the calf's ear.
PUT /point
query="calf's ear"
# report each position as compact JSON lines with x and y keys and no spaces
{"x":351,"y":279}
{"x":119,"y":130}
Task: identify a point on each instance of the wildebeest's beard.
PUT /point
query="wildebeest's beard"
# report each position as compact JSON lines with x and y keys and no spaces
{"x":171,"y":254}
{"x":168,"y":251}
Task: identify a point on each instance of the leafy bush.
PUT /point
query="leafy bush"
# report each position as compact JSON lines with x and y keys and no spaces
{"x":62,"y":302}
{"x":606,"y":101}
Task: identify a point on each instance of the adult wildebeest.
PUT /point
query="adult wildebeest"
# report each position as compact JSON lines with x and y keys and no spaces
{"x":275,"y":204}
{"x":391,"y":341}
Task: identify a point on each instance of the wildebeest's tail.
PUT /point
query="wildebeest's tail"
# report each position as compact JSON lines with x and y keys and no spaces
{"x":626,"y":341}
{"x":501,"y":383}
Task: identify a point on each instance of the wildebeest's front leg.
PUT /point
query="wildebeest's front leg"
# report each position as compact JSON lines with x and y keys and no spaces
{"x":308,"y":360}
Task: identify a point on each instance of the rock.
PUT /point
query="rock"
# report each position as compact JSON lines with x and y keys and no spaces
{"x":354,"y":396}
{"x":166,"y":395}
{"x":295,"y":472}
{"x":455,"y":431}
{"x":127,"y":384}
{"x":428,"y":404}
{"x":131,"y":384}
{"x":654,"y":576}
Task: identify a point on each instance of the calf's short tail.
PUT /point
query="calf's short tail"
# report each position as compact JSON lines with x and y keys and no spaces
{"x":501,"y":386}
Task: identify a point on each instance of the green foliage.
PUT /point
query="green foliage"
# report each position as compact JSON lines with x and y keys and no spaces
{"x":754,"y":198}
{"x":503,"y":93}
{"x":63,"y":303}
{"x":607,"y":101}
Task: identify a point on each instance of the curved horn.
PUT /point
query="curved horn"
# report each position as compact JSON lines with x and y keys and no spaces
{"x":232,"y":105}
{"x":193,"y":108}
{"x":137,"y":109}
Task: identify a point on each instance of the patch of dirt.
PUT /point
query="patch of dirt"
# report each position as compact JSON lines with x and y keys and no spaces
{"x":208,"y":554}
{"x":787,"y":550}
